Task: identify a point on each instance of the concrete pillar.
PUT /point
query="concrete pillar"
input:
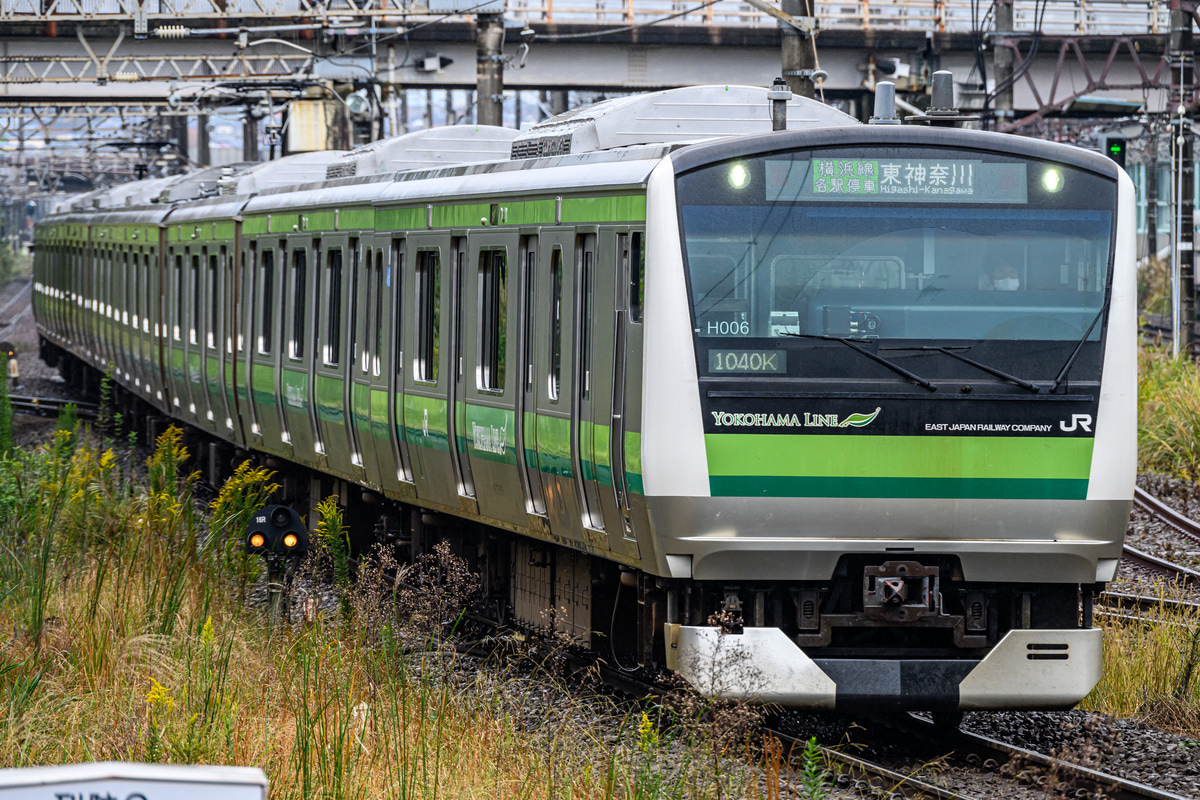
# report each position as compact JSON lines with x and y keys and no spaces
{"x":489,"y":76}
{"x":428,"y":109}
{"x":249,"y":138}
{"x":559,"y":102}
{"x":177,"y":135}
{"x":1002,"y":64}
{"x":798,"y":56}
{"x":203,"y":151}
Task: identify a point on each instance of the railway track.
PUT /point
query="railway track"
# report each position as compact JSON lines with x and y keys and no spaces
{"x":51,"y":406}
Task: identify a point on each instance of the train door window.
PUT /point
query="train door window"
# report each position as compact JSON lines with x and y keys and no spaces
{"x":493,"y":315}
{"x":144,"y":294}
{"x":429,"y":293}
{"x":178,"y":332}
{"x":194,"y":322}
{"x":364,"y":362}
{"x":556,"y":320}
{"x":585,"y":327}
{"x":299,"y":287}
{"x":128,"y":277}
{"x":456,"y":246}
{"x":527,"y":322}
{"x":266,"y":319}
{"x":637,"y":275}
{"x":333,"y":330}
{"x":231,"y":304}
{"x":382,"y":271}
{"x":351,"y":328}
{"x":213,"y":303}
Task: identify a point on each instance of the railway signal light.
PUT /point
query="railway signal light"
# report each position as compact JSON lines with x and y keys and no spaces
{"x":276,"y":530}
{"x":1114,"y":146}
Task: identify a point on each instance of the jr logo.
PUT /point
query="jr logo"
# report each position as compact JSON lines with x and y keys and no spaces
{"x":1083,"y":421}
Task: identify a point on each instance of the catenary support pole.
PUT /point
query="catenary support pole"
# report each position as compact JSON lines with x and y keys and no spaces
{"x":489,"y":76}
{"x":1181,"y":44}
{"x":799,"y":58}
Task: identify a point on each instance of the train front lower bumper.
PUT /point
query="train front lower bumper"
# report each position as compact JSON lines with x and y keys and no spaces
{"x":1028,"y":668}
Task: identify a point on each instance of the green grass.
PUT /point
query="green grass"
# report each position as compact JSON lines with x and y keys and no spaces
{"x":127,"y":637}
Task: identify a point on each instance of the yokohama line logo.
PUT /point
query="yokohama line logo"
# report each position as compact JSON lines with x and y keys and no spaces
{"x":723,"y":419}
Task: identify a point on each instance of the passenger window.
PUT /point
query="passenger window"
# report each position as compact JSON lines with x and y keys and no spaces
{"x":299,"y":287}
{"x":429,"y":291}
{"x":493,"y":315}
{"x":368,"y":283}
{"x":585,"y":327}
{"x":380,"y":272}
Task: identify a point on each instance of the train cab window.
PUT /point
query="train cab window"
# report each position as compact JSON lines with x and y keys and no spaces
{"x":637,"y":275}
{"x":193,"y":327}
{"x":333,"y":331}
{"x":556,"y":319}
{"x":214,"y":303}
{"x":429,"y":291}
{"x":299,"y":295}
{"x":266,"y":320}
{"x":493,"y":316}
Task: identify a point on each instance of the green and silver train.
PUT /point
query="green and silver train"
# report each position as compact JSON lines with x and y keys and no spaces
{"x":833,"y":416}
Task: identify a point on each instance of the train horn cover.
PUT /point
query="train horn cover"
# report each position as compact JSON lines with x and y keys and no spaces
{"x":276,"y":529}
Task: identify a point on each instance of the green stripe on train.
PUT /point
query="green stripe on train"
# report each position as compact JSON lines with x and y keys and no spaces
{"x":425,"y":422}
{"x":897,"y":466}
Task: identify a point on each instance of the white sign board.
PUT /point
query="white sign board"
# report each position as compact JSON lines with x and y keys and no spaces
{"x":111,"y":780}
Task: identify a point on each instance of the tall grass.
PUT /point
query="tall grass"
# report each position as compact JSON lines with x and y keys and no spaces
{"x":128,"y":638}
{"x":1151,"y":668}
{"x":1168,"y":414}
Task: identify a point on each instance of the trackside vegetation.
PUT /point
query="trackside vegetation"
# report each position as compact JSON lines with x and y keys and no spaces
{"x":134,"y":629}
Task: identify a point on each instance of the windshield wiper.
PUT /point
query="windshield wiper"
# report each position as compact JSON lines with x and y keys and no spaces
{"x":1024,"y":384}
{"x":899,"y":370}
{"x":1062,"y":373}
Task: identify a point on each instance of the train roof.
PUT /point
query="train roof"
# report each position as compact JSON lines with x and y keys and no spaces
{"x":431,"y":147}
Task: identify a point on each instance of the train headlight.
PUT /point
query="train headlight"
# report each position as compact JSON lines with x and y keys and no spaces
{"x":739,"y":176}
{"x":1052,"y":180}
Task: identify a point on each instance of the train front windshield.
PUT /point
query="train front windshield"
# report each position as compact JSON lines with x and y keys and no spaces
{"x":898,"y":250}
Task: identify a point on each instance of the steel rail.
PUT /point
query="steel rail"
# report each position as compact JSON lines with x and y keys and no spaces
{"x":1096,"y":782}
{"x":1160,"y":510}
{"x":878,"y":776}
{"x":51,"y":406}
{"x":1155,"y":564}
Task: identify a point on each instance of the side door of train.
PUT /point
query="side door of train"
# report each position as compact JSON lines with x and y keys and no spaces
{"x":429,"y":368}
{"x":214,"y":311}
{"x":177,"y":313}
{"x":489,"y":373}
{"x":296,"y":378}
{"x":367,"y":369}
{"x":603,"y":342}
{"x":390,"y":315}
{"x":268,"y":345}
{"x":555,"y":426}
{"x":336,"y":317}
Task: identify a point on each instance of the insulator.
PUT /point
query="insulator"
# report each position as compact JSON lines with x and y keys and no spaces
{"x":125,"y":77}
{"x":171,"y":32}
